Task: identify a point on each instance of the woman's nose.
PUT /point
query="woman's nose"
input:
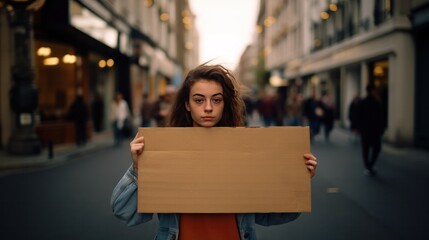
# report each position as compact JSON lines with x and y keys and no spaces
{"x":208,"y":107}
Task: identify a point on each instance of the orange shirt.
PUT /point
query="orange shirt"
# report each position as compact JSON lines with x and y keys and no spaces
{"x":208,"y":227}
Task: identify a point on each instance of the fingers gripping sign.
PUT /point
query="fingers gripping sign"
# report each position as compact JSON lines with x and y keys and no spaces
{"x":136,"y":148}
{"x":311,"y":163}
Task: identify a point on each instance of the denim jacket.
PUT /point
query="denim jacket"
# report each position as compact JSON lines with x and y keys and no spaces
{"x":124,"y":206}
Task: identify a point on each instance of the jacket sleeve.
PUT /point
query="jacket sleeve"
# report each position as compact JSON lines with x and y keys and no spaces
{"x":124,"y":200}
{"x":268,"y":219}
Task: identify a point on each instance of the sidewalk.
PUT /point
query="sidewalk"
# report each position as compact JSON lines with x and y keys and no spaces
{"x":103,"y":140}
{"x":60,"y":154}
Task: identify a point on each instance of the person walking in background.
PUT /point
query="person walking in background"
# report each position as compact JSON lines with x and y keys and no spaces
{"x":353,"y":114}
{"x":163,"y":106}
{"x":280,"y":111}
{"x":146,"y":111}
{"x":268,"y":110}
{"x":294,"y":109}
{"x":313,"y":112}
{"x":328,"y":105}
{"x":79,"y":114}
{"x":209,"y":97}
{"x":97,"y":108}
{"x":119,"y":113}
{"x":371,"y":127}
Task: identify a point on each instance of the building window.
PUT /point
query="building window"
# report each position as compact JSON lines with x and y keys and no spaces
{"x":383,"y":10}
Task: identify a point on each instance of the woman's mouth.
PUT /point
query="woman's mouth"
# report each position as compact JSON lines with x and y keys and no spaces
{"x":207,"y":118}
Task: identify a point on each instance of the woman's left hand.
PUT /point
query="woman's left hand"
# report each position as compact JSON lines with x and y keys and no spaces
{"x":311,"y":163}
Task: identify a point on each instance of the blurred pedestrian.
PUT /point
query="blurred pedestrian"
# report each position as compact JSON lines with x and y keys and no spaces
{"x":79,"y":114}
{"x":328,"y":105}
{"x":97,"y":108}
{"x":120,"y":113}
{"x":146,"y":111}
{"x":163,"y":106}
{"x":268,"y":110}
{"x":313,"y":113}
{"x":294,"y":109}
{"x":353,"y":114}
{"x":280,"y":111}
{"x":209,"y":97}
{"x":371,"y":128}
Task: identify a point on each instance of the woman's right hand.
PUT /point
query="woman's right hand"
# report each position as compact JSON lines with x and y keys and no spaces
{"x":136,"y":148}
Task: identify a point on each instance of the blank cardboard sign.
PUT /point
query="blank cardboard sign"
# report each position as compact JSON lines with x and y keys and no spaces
{"x":224,"y":170}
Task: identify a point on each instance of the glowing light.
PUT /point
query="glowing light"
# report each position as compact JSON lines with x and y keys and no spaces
{"x":378,"y":71}
{"x":333,"y":7}
{"x":314,"y":80}
{"x":52,"y":61}
{"x":164,"y":17}
{"x":69,"y":59}
{"x":269,"y":21}
{"x":324,"y":15}
{"x":44,"y":51}
{"x":110,"y":62}
{"x":186,"y":20}
{"x":277,"y":81}
{"x":102,"y":63}
{"x":148,"y":3}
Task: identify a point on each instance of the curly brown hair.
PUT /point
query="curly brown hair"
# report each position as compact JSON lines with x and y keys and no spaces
{"x":233,"y":112}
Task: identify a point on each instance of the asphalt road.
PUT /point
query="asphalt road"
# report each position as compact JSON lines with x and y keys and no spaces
{"x":71,"y":201}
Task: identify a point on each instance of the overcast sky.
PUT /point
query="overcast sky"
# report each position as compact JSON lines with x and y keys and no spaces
{"x":226,"y":27}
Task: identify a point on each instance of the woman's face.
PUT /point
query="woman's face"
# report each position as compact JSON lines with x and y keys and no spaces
{"x":205,"y":103}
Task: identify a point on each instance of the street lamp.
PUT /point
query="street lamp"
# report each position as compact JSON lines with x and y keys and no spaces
{"x":23,"y":94}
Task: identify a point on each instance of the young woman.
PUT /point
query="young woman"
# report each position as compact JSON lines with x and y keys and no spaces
{"x":209,"y":97}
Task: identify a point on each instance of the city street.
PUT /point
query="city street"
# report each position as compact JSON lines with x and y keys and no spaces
{"x":71,"y":201}
{"x":77,"y":76}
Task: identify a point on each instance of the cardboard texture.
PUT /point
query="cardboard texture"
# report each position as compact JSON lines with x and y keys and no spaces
{"x":224,"y":170}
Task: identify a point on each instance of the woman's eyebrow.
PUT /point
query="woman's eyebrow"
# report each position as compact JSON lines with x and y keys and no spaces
{"x":202,"y":95}
{"x":217,"y":94}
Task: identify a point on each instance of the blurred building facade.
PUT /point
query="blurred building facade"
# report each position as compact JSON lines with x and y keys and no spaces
{"x":96,"y":48}
{"x":342,"y":45}
{"x":246,"y":69}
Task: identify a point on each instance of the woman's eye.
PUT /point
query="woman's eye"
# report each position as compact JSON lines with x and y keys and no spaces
{"x":217,"y":100}
{"x":199,"y":100}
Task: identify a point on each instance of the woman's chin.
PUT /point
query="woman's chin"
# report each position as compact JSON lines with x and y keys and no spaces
{"x":207,"y":124}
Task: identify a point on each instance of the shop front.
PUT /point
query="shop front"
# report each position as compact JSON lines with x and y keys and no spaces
{"x":65,"y":72}
{"x":72,"y":60}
